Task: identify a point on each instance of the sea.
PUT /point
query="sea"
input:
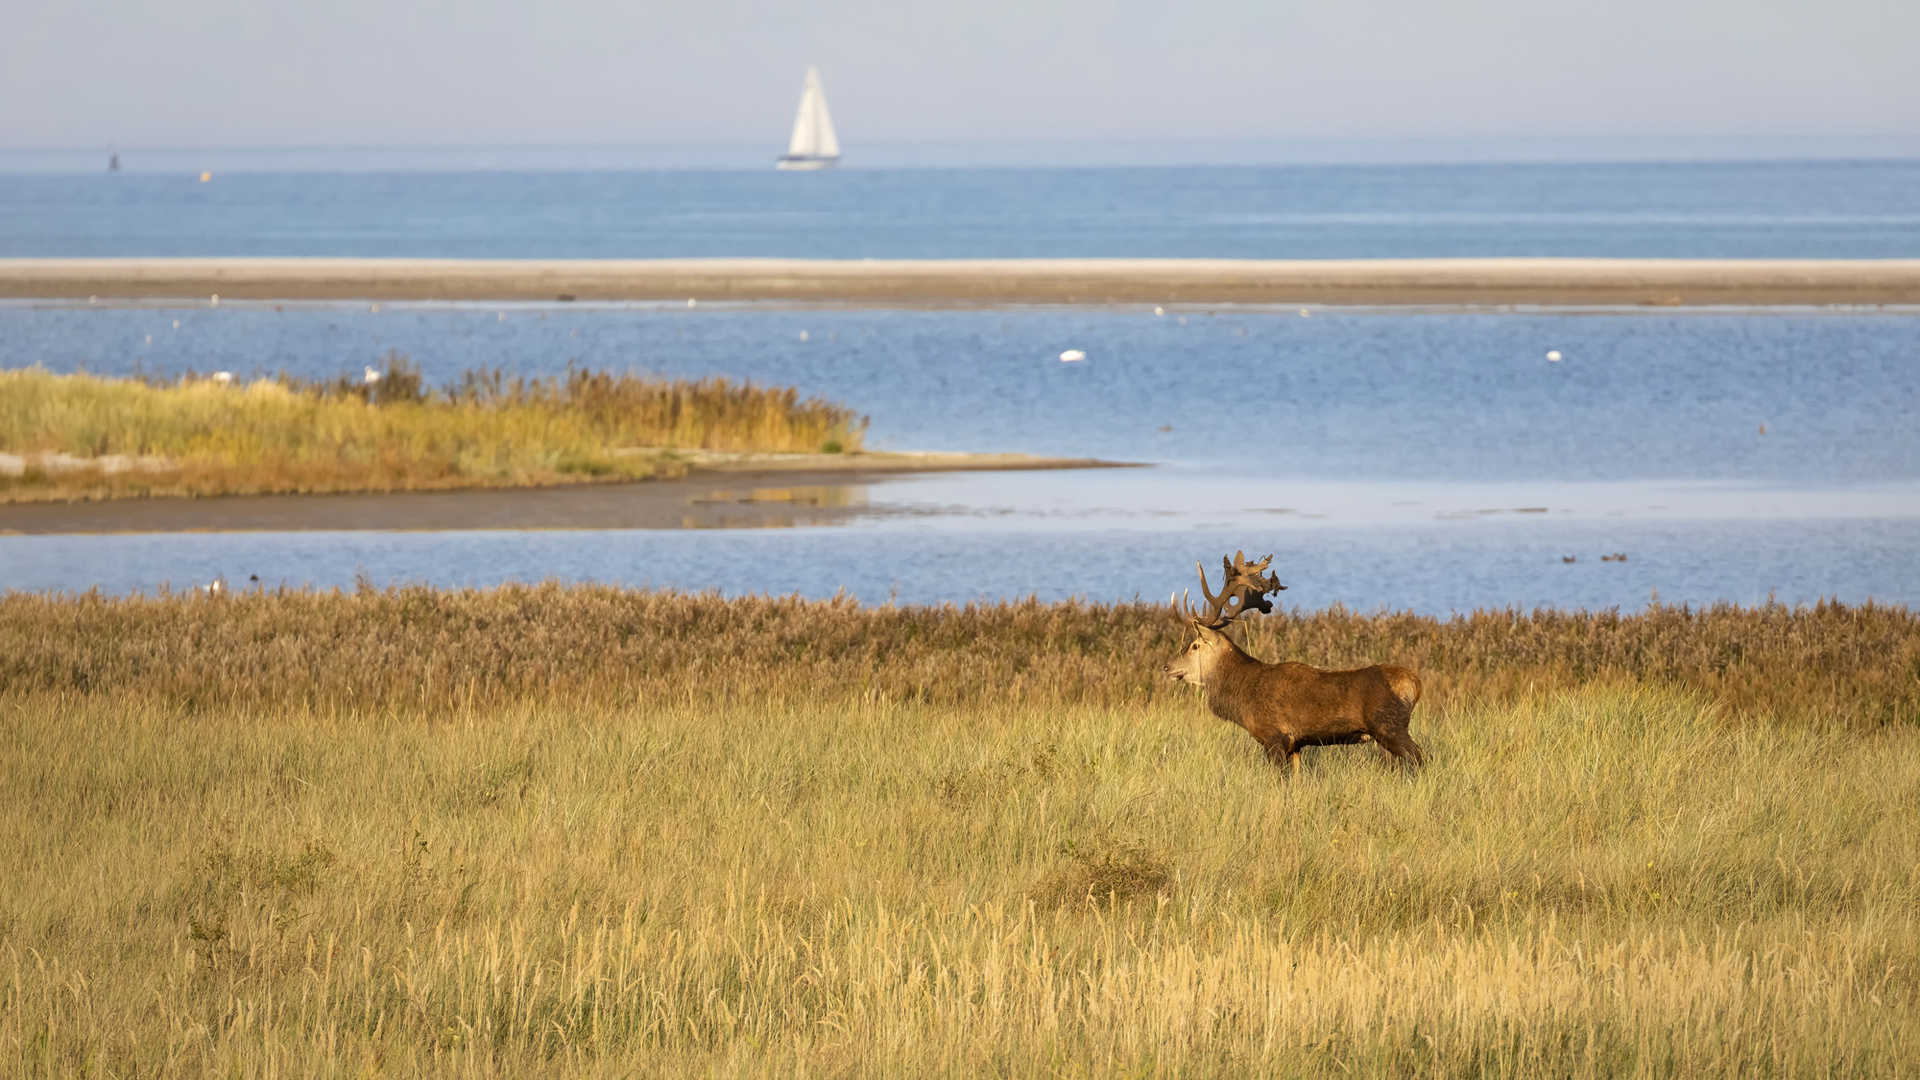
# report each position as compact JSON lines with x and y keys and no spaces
{"x":1433,"y":459}
{"x":1683,"y":209}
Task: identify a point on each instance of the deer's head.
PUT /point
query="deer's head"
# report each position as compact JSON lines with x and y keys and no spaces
{"x":1200,"y":659}
{"x":1246,"y":585}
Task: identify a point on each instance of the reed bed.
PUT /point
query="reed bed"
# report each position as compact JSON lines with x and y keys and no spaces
{"x":579,"y":831}
{"x":83,"y":436}
{"x":426,"y":651}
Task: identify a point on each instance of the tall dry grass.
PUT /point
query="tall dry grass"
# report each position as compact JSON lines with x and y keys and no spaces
{"x":131,"y":437}
{"x":578,"y":831}
{"x":424,"y":650}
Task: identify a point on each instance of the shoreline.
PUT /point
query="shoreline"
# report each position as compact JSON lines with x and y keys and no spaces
{"x":1531,"y":281}
{"x":879,"y":463}
{"x":730,"y":491}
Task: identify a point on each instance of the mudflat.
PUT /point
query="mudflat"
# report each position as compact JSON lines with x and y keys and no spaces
{"x":965,"y":281}
{"x":721,"y":491}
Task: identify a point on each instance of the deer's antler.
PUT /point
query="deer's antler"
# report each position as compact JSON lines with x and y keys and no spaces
{"x":1250,"y":583}
{"x":1243,"y":585}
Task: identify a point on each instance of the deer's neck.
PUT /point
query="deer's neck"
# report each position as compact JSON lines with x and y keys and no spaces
{"x":1232,"y":688}
{"x":1230,"y":668}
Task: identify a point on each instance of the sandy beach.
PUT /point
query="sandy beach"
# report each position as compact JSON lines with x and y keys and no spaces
{"x":1546,"y":281}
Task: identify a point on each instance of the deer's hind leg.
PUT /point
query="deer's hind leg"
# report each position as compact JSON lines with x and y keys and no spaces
{"x":1389,"y":730}
{"x":1399,"y":746}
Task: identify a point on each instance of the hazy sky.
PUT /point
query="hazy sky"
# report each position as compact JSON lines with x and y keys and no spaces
{"x":370,"y":72}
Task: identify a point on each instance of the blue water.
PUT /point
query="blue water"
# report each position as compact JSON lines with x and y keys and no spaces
{"x":1391,"y":458}
{"x":1825,"y":209}
{"x":1430,"y":460}
{"x":1431,"y":569}
{"x":1340,"y":394}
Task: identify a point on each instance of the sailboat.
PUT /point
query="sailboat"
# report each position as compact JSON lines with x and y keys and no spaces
{"x":813,"y":145}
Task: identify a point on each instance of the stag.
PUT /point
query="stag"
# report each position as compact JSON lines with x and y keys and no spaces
{"x":1287,"y":706}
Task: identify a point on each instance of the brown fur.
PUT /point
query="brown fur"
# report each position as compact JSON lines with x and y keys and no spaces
{"x":1287,"y":707}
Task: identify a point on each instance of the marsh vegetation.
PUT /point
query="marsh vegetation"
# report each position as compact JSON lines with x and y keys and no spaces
{"x":587,"y":831}
{"x":84,"y":436}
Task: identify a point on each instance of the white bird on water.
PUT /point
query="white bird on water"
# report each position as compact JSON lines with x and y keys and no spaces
{"x":1553,"y":355}
{"x":372,"y":376}
{"x":1072,"y":356}
{"x":223,"y":377}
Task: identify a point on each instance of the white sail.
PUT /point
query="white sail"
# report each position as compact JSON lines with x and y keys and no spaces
{"x":827,"y":144}
{"x":814,"y":145}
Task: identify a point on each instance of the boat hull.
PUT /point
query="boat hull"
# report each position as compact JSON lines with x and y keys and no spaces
{"x":805,"y":162}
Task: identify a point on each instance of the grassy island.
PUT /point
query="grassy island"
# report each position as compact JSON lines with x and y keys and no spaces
{"x":84,"y":436}
{"x":582,"y":831}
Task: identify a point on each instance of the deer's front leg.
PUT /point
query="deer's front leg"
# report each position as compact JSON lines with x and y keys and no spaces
{"x":1282,"y":748}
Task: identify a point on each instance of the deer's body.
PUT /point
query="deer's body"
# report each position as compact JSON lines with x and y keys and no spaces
{"x":1289,"y":706}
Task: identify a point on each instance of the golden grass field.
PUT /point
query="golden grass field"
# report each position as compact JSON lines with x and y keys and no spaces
{"x":84,"y":436}
{"x":580,"y":831}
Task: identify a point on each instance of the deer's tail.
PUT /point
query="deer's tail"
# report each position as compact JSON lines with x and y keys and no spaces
{"x":1405,"y":686}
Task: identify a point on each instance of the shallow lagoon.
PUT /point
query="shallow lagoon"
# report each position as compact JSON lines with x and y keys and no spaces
{"x":1333,"y":394}
{"x":1434,"y":460}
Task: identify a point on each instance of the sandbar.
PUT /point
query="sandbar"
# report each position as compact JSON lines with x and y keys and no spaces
{"x":722,"y":491}
{"x":1477,"y":281}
